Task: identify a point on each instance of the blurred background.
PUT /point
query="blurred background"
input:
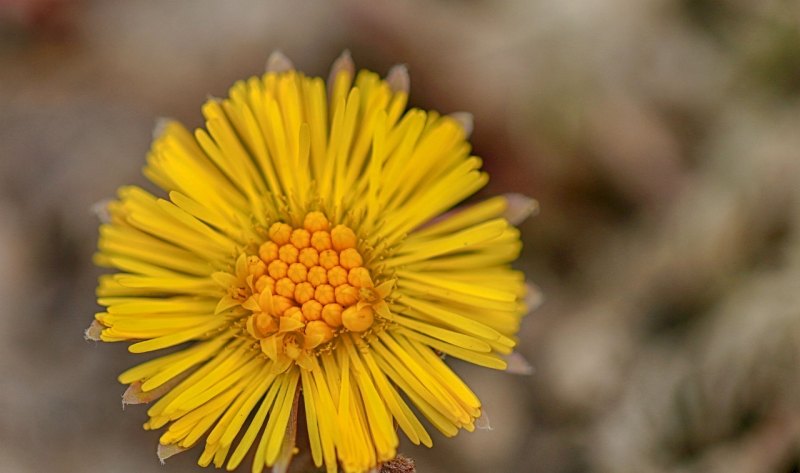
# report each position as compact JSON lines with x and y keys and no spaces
{"x":661,"y":138}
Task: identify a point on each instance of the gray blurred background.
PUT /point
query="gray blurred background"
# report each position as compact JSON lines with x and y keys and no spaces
{"x":662,"y":139}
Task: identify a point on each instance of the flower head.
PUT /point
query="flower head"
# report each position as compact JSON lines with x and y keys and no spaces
{"x":301,"y":260}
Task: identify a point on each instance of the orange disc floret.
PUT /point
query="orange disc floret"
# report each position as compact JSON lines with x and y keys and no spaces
{"x":265,"y":282}
{"x":300,"y":238}
{"x":350,"y":258}
{"x":357,"y":320}
{"x":343,"y":238}
{"x":317,"y":333}
{"x":337,"y":276}
{"x":280,"y":233}
{"x":321,"y":240}
{"x":280,"y":304}
{"x":277,"y":269}
{"x":268,"y":251}
{"x":256,"y":267}
{"x":288,"y":253}
{"x":303,"y":292}
{"x":308,"y":257}
{"x":312,"y":310}
{"x":346,"y":295}
{"x":324,"y":294}
{"x":332,"y":314}
{"x":315,"y":222}
{"x":359,"y":277}
{"x":297,"y":272}
{"x":328,"y":259}
{"x":285,"y":287}
{"x":317,"y":276}
{"x":295,"y":313}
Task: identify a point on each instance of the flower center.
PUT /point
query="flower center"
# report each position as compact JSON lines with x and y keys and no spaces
{"x":305,"y":286}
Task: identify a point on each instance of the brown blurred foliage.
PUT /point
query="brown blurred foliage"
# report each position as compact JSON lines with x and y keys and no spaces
{"x":660,"y":137}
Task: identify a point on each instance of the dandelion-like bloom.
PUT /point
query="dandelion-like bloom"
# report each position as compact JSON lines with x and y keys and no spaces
{"x":302,"y":262}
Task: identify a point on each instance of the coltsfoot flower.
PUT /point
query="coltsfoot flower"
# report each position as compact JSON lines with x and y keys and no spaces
{"x":302,"y":259}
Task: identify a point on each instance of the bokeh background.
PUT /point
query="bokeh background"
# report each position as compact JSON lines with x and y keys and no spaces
{"x":661,"y":138}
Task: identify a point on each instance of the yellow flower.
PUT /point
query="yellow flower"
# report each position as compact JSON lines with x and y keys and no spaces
{"x":302,"y":261}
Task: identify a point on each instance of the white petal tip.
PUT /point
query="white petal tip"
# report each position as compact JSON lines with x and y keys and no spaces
{"x":161,"y":126}
{"x":93,"y":332}
{"x":343,"y":63}
{"x":533,"y":296}
{"x":166,"y":451}
{"x":100,"y":210}
{"x":278,"y":62}
{"x":135,"y":395}
{"x":517,"y":364}
{"x":483,"y":422}
{"x":465,"y":120}
{"x":398,"y":78}
{"x":519,"y":208}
